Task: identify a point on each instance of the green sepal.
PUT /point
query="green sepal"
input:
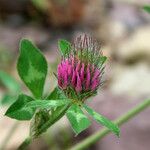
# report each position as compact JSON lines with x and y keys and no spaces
{"x":102,"y":60}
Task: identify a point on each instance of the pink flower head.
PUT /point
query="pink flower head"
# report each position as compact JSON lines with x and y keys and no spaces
{"x":81,"y":70}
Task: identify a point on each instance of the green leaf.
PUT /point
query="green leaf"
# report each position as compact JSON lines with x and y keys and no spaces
{"x":64,"y":47}
{"x":77,"y":119}
{"x":32,"y":67}
{"x":41,"y":5}
{"x":13,"y":88}
{"x":147,"y":8}
{"x":7,"y":99}
{"x":57,"y":93}
{"x":9,"y":82}
{"x":18,"y":111}
{"x":45,"y":104}
{"x":102,"y":120}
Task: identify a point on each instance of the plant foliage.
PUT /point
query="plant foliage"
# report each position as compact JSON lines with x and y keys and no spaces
{"x":32,"y":69}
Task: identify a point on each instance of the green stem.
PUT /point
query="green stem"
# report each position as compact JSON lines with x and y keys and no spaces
{"x":25,"y":144}
{"x":9,"y":135}
{"x":121,"y":120}
{"x":60,"y":113}
{"x":54,"y":118}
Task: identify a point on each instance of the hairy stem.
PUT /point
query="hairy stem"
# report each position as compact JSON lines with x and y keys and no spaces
{"x":44,"y":127}
{"x":60,"y":114}
{"x":121,"y":120}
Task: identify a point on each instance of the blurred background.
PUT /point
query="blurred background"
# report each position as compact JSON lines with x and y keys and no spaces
{"x":123,"y":29}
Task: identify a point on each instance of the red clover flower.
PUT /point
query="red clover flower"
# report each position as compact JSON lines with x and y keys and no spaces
{"x":80,"y":72}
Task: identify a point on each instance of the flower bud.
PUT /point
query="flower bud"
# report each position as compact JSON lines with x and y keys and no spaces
{"x":82,"y":69}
